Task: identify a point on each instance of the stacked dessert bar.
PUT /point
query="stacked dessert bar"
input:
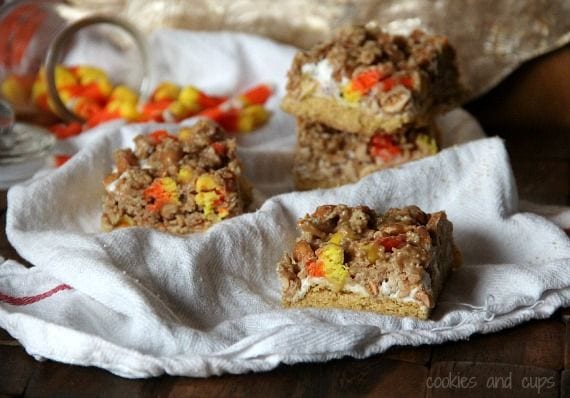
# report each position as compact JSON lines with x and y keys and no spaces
{"x":366,"y":100}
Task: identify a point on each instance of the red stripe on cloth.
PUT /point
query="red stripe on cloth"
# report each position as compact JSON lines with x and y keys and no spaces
{"x":33,"y":299}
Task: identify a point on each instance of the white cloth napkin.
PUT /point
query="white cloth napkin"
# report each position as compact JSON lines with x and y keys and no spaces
{"x":141,"y":303}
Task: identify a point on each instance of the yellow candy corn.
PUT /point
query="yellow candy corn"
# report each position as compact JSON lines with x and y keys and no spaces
{"x":124,"y":93}
{"x":252,"y":117}
{"x":166,"y":90}
{"x":189,"y":96}
{"x":128,"y":110}
{"x":64,"y":77}
{"x":38,"y":88}
{"x":105,"y":87}
{"x":15,"y":91}
{"x":113,"y":106}
{"x":90,"y":74}
{"x":178,"y":110}
{"x":125,"y":109}
{"x":65,"y":95}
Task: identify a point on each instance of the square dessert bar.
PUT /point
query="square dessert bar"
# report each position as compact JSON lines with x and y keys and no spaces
{"x":326,"y":157}
{"x":176,"y":183}
{"x":365,"y":80}
{"x":350,"y":257}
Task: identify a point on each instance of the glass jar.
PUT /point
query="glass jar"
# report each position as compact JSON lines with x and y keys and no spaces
{"x":38,"y":36}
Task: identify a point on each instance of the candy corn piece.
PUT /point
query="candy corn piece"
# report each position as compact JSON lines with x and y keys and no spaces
{"x":166,"y":90}
{"x":189,"y":102}
{"x":17,"y":89}
{"x":243,"y":113}
{"x":60,"y":160}
{"x":123,"y":93}
{"x":257,"y":95}
{"x":66,"y":130}
{"x":154,"y":110}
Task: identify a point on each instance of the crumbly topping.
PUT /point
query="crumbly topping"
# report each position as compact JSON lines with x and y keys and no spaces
{"x":355,"y":49}
{"x":368,"y":62}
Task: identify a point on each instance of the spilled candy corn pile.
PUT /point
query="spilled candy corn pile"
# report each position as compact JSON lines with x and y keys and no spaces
{"x":88,"y":92}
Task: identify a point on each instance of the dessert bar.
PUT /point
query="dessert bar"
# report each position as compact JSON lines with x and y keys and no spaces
{"x":365,"y":80}
{"x":178,"y":183}
{"x":326,"y":157}
{"x":394,"y":263}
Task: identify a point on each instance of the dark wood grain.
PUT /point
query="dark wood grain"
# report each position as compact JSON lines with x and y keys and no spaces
{"x":566,"y":344}
{"x":286,"y":381}
{"x":51,"y":379}
{"x":530,"y":111}
{"x":530,"y":104}
{"x":6,"y":250}
{"x":420,"y":355}
{"x":538,"y":342}
{"x":16,"y":369}
{"x":3,"y":201}
{"x":565,"y":384}
{"x":565,"y":312}
{"x":542,"y":182}
{"x":376,"y":376}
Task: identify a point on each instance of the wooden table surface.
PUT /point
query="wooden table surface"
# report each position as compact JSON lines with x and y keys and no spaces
{"x":531,"y":111}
